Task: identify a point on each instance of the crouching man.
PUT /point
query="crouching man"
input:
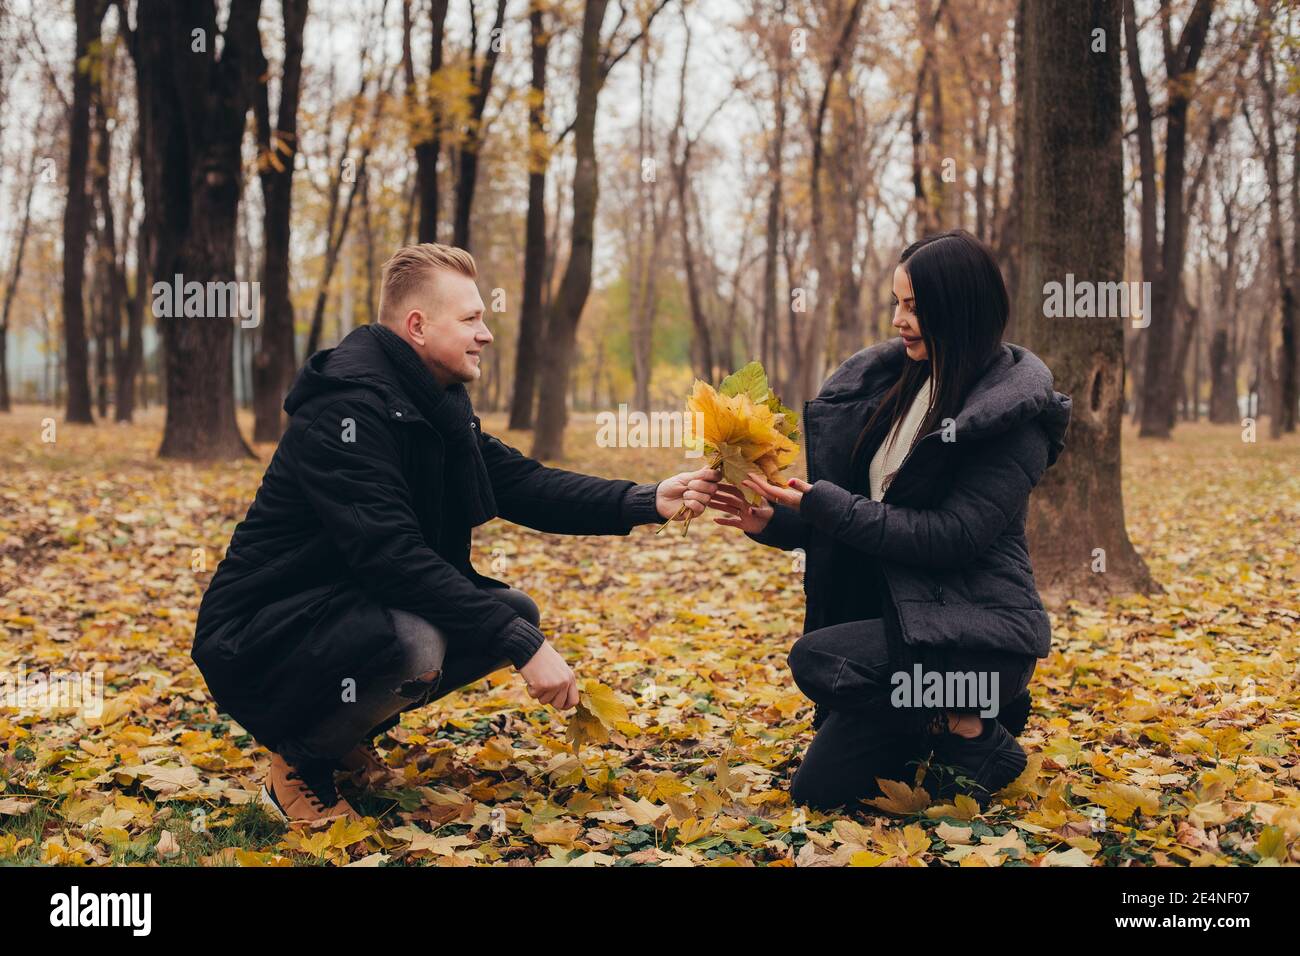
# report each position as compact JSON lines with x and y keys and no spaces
{"x":346,"y":595}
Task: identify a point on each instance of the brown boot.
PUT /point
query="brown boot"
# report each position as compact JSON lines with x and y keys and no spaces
{"x":368,"y":768}
{"x":291,"y":795}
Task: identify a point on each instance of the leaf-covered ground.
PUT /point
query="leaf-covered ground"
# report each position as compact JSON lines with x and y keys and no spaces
{"x":1164,"y":729}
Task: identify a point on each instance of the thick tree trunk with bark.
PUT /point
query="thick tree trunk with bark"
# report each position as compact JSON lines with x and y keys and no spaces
{"x":1072,"y":221}
{"x":1287,"y":393}
{"x":197,"y":104}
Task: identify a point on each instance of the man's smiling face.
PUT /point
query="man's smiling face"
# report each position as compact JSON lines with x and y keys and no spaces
{"x":443,"y":322}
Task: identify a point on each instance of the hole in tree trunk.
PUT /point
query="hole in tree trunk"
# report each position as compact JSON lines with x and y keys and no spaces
{"x":1096,"y":391}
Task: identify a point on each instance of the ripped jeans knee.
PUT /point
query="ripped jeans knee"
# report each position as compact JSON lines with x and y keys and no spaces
{"x":421,"y":686}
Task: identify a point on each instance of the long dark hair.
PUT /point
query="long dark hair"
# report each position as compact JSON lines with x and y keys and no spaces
{"x":962,"y":306}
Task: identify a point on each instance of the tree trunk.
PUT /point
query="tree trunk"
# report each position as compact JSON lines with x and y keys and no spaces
{"x":810,"y":375}
{"x":1223,"y":349}
{"x":76,"y":213}
{"x":114,"y":300}
{"x":427,"y":137}
{"x":644,"y":265}
{"x":100,"y":321}
{"x":1072,"y":220}
{"x":473,"y":141}
{"x":334,"y":240}
{"x":1159,"y":382}
{"x":15,"y":276}
{"x":1287,"y":393}
{"x":770,"y":332}
{"x":531,"y":316}
{"x":566,"y":310}
{"x":132,"y":357}
{"x":196,"y":105}
{"x":274,"y":362}
{"x":705,"y":361}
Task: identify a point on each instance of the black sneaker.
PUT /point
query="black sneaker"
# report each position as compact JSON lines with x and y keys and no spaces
{"x":978,"y":767}
{"x":1015,"y":715}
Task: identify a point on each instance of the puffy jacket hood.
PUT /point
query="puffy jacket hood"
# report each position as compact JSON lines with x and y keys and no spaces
{"x":1016,"y":387}
{"x":357,"y":360}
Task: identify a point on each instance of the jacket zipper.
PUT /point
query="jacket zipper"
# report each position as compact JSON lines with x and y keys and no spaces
{"x":937,"y":590}
{"x":807,"y":436}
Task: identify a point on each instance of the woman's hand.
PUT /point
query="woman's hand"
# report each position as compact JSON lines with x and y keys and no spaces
{"x":748,"y":518}
{"x":790,"y":496}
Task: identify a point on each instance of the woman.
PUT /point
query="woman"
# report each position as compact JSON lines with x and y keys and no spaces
{"x":921,"y":455}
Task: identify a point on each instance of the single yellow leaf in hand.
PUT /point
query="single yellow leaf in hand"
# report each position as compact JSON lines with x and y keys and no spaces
{"x":585,"y":728}
{"x":601,"y":702}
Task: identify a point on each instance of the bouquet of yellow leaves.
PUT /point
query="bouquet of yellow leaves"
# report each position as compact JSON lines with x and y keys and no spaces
{"x":744,"y":428}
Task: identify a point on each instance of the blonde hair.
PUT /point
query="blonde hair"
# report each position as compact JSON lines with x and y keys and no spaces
{"x":411,"y":266}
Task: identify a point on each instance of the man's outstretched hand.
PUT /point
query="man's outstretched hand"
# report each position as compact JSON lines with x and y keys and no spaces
{"x":690,"y":488}
{"x":550,"y":680}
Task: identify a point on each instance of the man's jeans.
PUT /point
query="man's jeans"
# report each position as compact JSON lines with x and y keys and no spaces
{"x":427,"y":669}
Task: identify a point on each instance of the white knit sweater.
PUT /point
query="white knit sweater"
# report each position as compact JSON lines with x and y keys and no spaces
{"x":889,"y":456}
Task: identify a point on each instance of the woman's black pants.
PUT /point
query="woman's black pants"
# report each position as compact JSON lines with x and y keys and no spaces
{"x":845,"y":669}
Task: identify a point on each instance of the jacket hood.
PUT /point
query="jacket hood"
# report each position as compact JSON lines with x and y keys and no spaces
{"x":1015,"y":388}
{"x":357,"y":360}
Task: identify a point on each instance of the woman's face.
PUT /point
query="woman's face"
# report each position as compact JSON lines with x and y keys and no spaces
{"x":905,"y":320}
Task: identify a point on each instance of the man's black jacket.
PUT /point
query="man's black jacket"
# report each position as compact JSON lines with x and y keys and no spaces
{"x":351,"y":520}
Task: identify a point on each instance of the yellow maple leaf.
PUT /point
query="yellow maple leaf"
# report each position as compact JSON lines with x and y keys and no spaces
{"x":911,"y":841}
{"x":344,"y":832}
{"x":900,"y":798}
{"x":693,"y":829}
